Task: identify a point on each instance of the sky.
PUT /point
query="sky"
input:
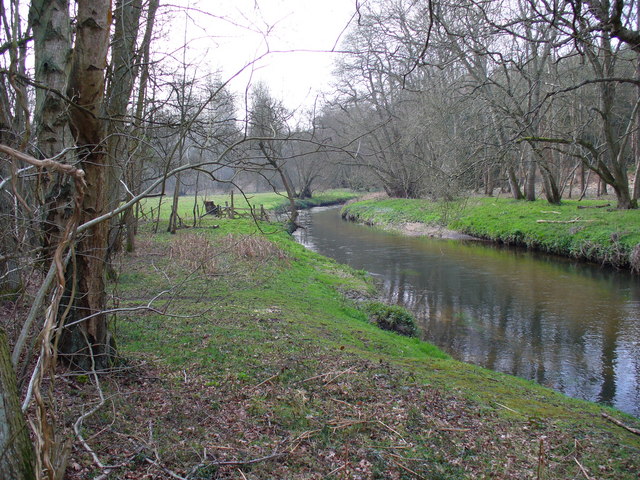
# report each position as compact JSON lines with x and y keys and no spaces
{"x":227,"y":35}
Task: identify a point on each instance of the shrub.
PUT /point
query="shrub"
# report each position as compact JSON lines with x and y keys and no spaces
{"x":392,"y":317}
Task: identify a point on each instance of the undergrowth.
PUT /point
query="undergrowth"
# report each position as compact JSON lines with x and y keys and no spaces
{"x":259,"y":366}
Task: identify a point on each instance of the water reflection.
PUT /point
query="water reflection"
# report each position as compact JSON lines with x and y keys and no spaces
{"x":572,"y":327}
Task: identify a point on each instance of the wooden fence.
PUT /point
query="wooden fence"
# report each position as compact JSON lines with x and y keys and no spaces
{"x":231,"y":211}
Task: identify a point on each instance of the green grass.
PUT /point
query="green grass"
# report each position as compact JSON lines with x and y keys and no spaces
{"x":261,"y":349}
{"x":601,"y":235}
{"x":269,"y":200}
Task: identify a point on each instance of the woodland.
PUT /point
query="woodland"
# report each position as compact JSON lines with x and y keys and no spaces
{"x":103,"y":133}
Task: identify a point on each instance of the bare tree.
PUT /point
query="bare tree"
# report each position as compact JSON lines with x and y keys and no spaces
{"x":87,"y":345}
{"x":269,"y":130}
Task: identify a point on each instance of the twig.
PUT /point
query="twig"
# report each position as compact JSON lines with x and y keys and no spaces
{"x":48,"y":163}
{"x":164,"y":469}
{"x":81,"y":418}
{"x":583,"y":470}
{"x":392,"y":447}
{"x":412,"y":459}
{"x":635,"y":431}
{"x":323,"y":375}
{"x":540,"y":458}
{"x":575,"y":220}
{"x":344,"y":403}
{"x":349,"y":370}
{"x":582,"y":207}
{"x":316,"y":376}
{"x":507,"y":408}
{"x":241,"y":463}
{"x":267,"y":380}
{"x":391,"y":430}
{"x":407,"y":469}
{"x":332,"y":472}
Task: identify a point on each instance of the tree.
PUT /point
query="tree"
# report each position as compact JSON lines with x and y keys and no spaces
{"x":17,"y":459}
{"x":15,"y":128}
{"x":268,"y":130}
{"x":134,"y":169}
{"x":441,"y":92}
{"x":51,"y":26}
{"x":124,"y":69}
{"x":375,"y":102}
{"x":87,"y":344}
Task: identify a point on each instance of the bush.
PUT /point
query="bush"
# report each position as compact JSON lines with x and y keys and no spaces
{"x":392,"y":317}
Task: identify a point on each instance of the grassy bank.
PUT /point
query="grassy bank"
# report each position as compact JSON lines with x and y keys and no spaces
{"x":602,"y":235}
{"x":271,"y":201}
{"x":254,"y":364}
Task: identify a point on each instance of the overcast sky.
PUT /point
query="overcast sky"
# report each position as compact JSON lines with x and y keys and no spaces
{"x":228,"y":34}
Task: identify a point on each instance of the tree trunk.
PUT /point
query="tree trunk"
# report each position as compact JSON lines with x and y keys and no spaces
{"x":173,"y":217}
{"x":17,"y":458}
{"x":124,"y":71}
{"x":134,"y":170}
{"x":87,"y":345}
{"x":10,"y":277}
{"x":52,"y":38}
{"x":636,"y":184}
{"x":530,"y":185}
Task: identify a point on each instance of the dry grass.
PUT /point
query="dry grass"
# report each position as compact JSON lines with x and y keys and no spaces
{"x":249,"y":246}
{"x":195,"y":251}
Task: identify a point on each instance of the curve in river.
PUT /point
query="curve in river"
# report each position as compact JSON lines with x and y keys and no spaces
{"x":570,"y":326}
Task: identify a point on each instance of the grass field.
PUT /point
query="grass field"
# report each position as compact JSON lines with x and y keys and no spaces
{"x":190,"y":207}
{"x":256,"y":361}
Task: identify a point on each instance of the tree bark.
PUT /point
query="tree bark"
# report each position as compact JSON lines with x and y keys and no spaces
{"x":134,"y":170}
{"x":124,"y":71}
{"x":17,"y":458}
{"x":52,"y":38}
{"x":87,"y":345}
{"x":530,"y":184}
{"x":513,"y":183}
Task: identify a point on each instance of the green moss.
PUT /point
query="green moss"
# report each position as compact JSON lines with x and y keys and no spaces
{"x":392,"y":317}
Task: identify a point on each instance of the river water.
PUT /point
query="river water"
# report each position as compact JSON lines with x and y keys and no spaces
{"x":570,"y":326}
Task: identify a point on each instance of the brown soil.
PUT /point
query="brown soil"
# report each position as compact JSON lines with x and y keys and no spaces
{"x":417,"y":229}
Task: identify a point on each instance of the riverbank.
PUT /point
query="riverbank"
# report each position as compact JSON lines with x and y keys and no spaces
{"x":190,"y":206}
{"x":589,"y":230}
{"x":255,"y":364}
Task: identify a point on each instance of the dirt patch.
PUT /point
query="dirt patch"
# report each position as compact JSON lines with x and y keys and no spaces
{"x":417,"y":229}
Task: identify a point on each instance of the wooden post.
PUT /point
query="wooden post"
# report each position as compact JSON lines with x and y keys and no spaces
{"x":17,"y":458}
{"x":231,"y":212}
{"x":263,"y":213}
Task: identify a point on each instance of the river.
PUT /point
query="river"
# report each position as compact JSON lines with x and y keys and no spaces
{"x":570,"y":326}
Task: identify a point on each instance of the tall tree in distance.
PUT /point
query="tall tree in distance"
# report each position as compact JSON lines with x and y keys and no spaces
{"x":124,"y":69}
{"x":268,"y":126}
